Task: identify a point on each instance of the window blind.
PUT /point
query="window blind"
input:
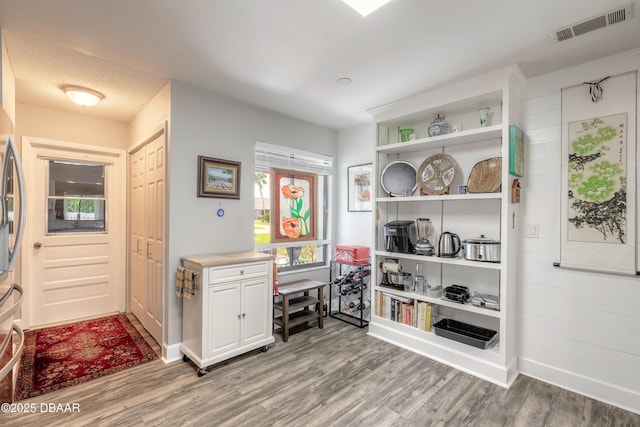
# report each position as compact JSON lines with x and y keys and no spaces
{"x":278,"y":156}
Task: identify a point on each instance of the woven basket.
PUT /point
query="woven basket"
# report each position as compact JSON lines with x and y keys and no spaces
{"x":486,"y":176}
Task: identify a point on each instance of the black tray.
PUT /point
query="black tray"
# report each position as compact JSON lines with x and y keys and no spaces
{"x":465,"y":333}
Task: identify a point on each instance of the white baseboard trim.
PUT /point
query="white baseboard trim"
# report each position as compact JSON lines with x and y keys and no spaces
{"x":171,"y":353}
{"x":456,"y":356}
{"x":608,"y":393}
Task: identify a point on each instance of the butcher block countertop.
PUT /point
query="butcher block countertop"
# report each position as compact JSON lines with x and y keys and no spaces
{"x":213,"y":260}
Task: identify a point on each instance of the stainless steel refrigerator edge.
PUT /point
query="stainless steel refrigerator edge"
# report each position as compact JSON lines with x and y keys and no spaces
{"x":11,"y":294}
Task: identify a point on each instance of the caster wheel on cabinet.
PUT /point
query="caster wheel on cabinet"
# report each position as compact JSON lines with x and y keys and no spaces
{"x":264,"y":348}
{"x":185,"y":358}
{"x":202,"y":372}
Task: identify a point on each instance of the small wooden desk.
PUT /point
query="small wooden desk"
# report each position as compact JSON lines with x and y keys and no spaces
{"x":295,"y":310}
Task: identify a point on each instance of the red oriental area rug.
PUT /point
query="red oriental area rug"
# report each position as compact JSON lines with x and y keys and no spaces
{"x":62,"y":356}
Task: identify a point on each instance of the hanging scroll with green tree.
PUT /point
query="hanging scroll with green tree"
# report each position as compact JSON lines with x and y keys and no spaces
{"x":597,"y":194}
{"x":598,"y":210}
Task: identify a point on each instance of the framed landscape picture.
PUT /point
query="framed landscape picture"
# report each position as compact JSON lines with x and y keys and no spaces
{"x":218,"y":178}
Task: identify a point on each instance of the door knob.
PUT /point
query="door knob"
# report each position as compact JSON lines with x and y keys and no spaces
{"x":37,"y":245}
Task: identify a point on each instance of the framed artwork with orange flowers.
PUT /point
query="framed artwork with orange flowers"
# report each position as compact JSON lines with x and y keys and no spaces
{"x":293,"y":205}
{"x":218,"y":178}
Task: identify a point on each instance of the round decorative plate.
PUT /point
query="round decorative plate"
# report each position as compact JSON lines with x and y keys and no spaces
{"x":398,"y":176}
{"x":437,"y":173}
{"x":486,"y":176}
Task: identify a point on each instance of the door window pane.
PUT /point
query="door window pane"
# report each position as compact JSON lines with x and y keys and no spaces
{"x":76,"y":198}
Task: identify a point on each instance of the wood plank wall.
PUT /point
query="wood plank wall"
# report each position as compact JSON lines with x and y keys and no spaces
{"x":577,"y":330}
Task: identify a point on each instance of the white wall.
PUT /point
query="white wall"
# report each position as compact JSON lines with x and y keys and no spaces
{"x":204,"y":123}
{"x":355,"y":147}
{"x":59,"y":125}
{"x":152,"y":117}
{"x":578,"y":330}
{"x":7,"y":82}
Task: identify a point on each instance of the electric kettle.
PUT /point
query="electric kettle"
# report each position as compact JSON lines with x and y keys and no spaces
{"x":449,"y":245}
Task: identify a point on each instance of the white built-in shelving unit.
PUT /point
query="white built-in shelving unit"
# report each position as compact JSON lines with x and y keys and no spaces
{"x":468,"y":215}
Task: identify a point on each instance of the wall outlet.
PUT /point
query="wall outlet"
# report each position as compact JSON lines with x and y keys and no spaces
{"x":533,"y":231}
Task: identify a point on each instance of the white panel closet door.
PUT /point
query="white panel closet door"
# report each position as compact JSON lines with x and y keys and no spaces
{"x":137,"y":259}
{"x":147,"y":187}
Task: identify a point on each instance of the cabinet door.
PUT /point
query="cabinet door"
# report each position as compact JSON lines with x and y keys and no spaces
{"x":223,"y":329}
{"x":255,"y":307}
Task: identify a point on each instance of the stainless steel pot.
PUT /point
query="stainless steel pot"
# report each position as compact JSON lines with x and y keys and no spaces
{"x":482,"y":249}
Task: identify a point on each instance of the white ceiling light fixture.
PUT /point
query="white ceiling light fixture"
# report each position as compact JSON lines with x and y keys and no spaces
{"x":83,"y":96}
{"x":365,"y":7}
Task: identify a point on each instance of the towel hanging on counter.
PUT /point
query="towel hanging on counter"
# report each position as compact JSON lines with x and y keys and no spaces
{"x":186,"y":283}
{"x":180,"y":280}
{"x":190,"y":285}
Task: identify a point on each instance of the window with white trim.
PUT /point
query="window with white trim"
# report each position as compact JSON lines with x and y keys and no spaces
{"x":291,"y":240}
{"x":76,"y":200}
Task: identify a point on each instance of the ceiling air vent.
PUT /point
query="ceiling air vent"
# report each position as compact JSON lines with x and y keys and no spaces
{"x":608,"y":18}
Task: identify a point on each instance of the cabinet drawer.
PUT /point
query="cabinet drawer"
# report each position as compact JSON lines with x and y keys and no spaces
{"x":239,"y":271}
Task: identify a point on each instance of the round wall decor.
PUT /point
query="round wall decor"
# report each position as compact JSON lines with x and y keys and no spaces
{"x":437,"y":173}
{"x":397,"y":177}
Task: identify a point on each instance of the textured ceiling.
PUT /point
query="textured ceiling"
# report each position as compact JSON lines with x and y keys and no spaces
{"x":285,"y":55}
{"x":42,"y":67}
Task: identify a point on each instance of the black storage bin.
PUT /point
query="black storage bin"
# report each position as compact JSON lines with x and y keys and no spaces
{"x":465,"y":333}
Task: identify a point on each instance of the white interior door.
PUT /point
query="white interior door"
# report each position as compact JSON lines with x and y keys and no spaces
{"x":73,"y":266}
{"x":147,"y":189}
{"x":137,"y":261}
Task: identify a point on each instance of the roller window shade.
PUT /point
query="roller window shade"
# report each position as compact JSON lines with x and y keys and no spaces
{"x":277,"y":156}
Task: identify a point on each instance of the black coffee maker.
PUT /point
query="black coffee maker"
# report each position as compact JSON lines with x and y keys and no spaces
{"x":399,"y":236}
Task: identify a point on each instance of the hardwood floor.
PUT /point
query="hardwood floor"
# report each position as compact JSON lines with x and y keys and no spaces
{"x":336,"y":376}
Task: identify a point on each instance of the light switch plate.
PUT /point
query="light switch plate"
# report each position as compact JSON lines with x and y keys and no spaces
{"x":533,"y":231}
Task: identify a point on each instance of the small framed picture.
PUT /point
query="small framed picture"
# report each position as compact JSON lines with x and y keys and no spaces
{"x":218,"y":178}
{"x":359,"y":187}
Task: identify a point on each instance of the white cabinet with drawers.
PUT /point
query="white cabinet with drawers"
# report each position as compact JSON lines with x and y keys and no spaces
{"x":231,"y":314}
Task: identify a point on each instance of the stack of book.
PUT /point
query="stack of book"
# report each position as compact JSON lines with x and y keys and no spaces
{"x":409,"y":311}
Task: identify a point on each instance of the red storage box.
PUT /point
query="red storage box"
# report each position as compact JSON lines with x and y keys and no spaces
{"x":352,"y":254}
